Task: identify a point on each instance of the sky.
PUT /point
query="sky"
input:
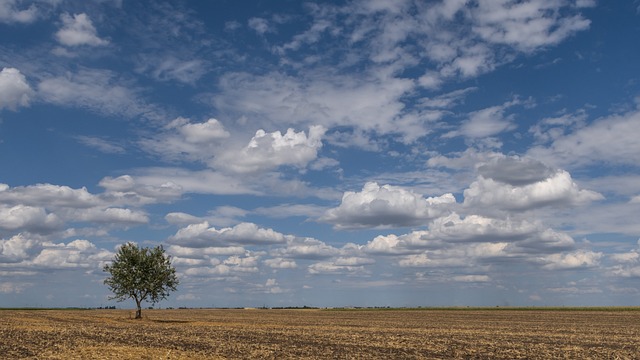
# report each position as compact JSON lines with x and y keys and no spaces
{"x":329,"y":153}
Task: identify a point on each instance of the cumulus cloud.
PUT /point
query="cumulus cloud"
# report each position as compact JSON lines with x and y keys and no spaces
{"x":574,"y":260}
{"x":124,"y":189}
{"x":14,"y":89}
{"x":77,"y":253}
{"x":475,"y":228}
{"x":202,"y":235}
{"x":78,"y":30}
{"x":18,"y":248}
{"x":267,"y":151}
{"x":30,"y":218}
{"x":515,"y":171}
{"x":385,"y":206}
{"x":234,"y":265}
{"x":522,"y":236}
{"x":557,"y":189}
{"x":36,"y":253}
{"x":306,"y":248}
{"x":48,"y":195}
{"x":43,"y":208}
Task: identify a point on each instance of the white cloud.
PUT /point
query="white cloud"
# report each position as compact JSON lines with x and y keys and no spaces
{"x":444,"y":40}
{"x":425,"y":260}
{"x":390,"y":206}
{"x":306,"y":248}
{"x":11,"y":13}
{"x":111,"y":215}
{"x":183,"y":139}
{"x":189,"y":253}
{"x":368,"y":103}
{"x":475,"y":228}
{"x":471,"y":278}
{"x":626,"y":272}
{"x":447,"y":100}
{"x":202,"y":235}
{"x":574,"y":260}
{"x":552,"y":128}
{"x":18,"y":248}
{"x":557,"y":189}
{"x":179,"y":180}
{"x":527,"y":25}
{"x":522,"y":237}
{"x":392,"y":244}
{"x":629,"y":257}
{"x":182,"y":219}
{"x":332,"y":268}
{"x":43,"y":208}
{"x":32,"y":219}
{"x":48,"y":195}
{"x":609,"y":140}
{"x":486,"y":122}
{"x":34,"y":253}
{"x":260,"y":25}
{"x":14,"y":89}
{"x":267,"y":151}
{"x":78,"y":253}
{"x":78,"y":30}
{"x":280,"y":263}
{"x":96,"y":90}
{"x":199,"y":133}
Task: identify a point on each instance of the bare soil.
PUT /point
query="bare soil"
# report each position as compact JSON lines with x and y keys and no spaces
{"x":320,"y":334}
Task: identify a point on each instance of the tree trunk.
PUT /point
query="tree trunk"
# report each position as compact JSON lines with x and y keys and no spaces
{"x":138,"y":310}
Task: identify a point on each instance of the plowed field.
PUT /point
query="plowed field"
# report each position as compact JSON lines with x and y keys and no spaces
{"x":320,"y":334}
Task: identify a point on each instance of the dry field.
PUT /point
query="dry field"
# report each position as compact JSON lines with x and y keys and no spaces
{"x":320,"y":334}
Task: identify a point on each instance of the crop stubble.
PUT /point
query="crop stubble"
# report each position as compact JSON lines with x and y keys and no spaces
{"x":319,"y":334}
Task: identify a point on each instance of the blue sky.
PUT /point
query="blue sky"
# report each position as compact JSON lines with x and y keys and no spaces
{"x":351,"y":153}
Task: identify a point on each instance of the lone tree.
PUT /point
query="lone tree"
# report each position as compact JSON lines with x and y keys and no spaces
{"x":141,"y":274}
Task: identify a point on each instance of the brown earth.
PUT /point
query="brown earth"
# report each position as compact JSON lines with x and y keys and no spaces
{"x":320,"y":334}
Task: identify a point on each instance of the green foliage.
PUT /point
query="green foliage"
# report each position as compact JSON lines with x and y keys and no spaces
{"x":141,"y":274}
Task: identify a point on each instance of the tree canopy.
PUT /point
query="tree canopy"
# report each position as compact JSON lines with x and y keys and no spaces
{"x":142,"y":274}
